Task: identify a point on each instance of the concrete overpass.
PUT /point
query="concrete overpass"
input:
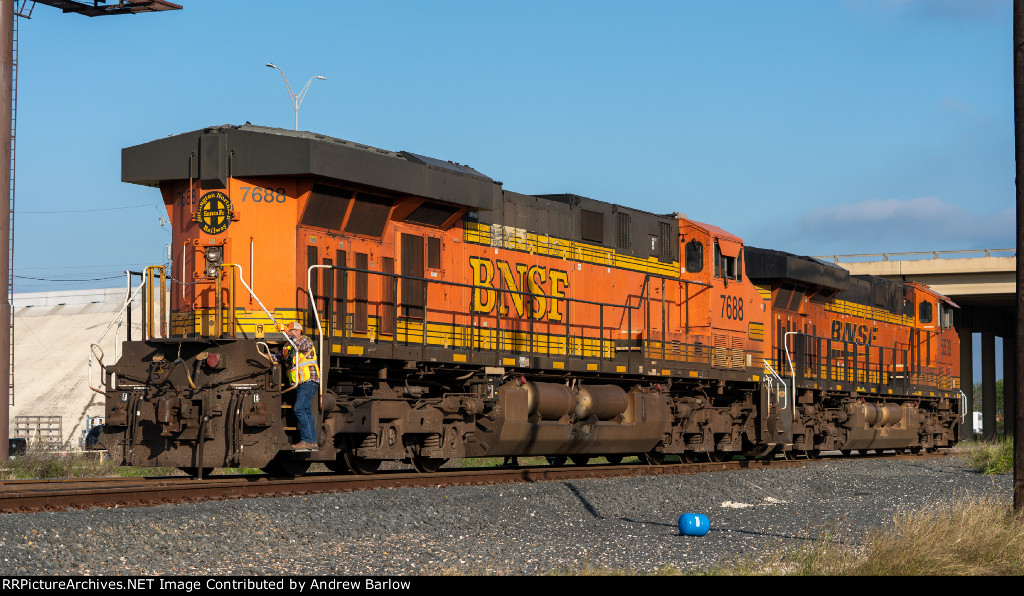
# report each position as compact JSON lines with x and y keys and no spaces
{"x":984,"y":284}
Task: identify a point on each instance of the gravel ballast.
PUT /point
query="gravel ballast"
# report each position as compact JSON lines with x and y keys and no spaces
{"x":627,"y":524}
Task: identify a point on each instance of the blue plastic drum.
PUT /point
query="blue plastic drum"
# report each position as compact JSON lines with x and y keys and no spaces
{"x":693,"y":524}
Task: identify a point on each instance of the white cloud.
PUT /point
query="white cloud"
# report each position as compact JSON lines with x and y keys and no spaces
{"x":891,"y":225}
{"x":923,"y":223}
{"x":918,"y":211}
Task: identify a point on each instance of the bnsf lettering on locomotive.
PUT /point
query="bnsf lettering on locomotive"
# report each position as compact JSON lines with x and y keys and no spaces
{"x":547,"y":284}
{"x":854,"y":333}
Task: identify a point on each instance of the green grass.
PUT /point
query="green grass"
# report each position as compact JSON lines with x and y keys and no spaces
{"x":989,"y":457}
{"x":43,"y":464}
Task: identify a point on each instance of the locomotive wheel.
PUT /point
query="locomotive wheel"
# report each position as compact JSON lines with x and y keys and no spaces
{"x":614,"y":459}
{"x":688,"y":457}
{"x":287,"y":468}
{"x":360,"y":465}
{"x":813,"y":453}
{"x":719,"y":456}
{"x":194,"y":472}
{"x":428,"y":465}
{"x":338,"y":466}
{"x":846,"y":452}
{"x":790,"y":455}
{"x":580,"y":460}
{"x":653,"y":458}
{"x":556,"y":460}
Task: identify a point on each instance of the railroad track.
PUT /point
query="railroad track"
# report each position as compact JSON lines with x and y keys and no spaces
{"x":23,"y":496}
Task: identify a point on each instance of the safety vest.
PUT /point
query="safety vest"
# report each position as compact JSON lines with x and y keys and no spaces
{"x":303,"y":367}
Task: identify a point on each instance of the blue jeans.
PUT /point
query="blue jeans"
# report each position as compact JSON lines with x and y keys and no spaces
{"x":304,"y":395}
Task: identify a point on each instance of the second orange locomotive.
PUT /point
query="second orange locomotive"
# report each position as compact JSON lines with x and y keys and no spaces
{"x":456,"y":319}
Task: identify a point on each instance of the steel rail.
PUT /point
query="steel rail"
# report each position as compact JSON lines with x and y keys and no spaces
{"x":22,"y":496}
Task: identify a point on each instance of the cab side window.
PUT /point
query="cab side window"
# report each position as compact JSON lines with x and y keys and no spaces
{"x":945,"y":315}
{"x":728,"y":267}
{"x":924,"y":312}
{"x":694,"y":257}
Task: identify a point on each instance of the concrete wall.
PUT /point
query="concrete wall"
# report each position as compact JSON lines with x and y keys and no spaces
{"x":53,"y":332}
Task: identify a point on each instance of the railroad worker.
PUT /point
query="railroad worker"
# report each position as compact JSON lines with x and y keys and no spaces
{"x":304,"y":374}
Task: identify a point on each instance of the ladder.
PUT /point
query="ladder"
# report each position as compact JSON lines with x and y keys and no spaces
{"x":22,"y":9}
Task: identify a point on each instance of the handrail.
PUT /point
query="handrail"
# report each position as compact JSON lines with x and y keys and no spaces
{"x":474,"y":287}
{"x":785,"y":345}
{"x":628,"y":307}
{"x":319,"y":327}
{"x":92,"y":348}
{"x":772,"y":373}
{"x":505,"y":290}
{"x":149,"y":300}
{"x":241,"y":275}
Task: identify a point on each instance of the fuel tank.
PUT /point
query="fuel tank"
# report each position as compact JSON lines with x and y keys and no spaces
{"x":552,"y":419}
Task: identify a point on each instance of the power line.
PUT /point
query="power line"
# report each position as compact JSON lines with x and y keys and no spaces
{"x":51,"y":279}
{"x":118,"y":266}
{"x":82,"y":210}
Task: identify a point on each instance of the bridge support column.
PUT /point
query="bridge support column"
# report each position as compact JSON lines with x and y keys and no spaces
{"x":1009,"y":383}
{"x":967,"y":376}
{"x":988,"y":385}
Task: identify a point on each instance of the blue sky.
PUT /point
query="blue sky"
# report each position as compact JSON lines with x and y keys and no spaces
{"x":813,"y":126}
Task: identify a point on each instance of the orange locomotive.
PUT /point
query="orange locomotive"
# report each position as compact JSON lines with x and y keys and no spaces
{"x":453,"y":318}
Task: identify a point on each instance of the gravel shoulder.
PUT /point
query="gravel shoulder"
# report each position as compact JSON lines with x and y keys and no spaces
{"x":525,"y":529}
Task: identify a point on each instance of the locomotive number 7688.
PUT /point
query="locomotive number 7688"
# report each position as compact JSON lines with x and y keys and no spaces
{"x":732,"y":307}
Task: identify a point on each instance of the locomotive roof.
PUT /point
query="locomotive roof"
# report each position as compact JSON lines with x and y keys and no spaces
{"x":209,"y":154}
{"x":765,"y":263}
{"x":716,"y":231}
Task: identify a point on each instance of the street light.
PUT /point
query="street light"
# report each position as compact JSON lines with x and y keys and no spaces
{"x":296,"y":99}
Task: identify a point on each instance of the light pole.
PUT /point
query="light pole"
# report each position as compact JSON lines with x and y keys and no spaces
{"x":296,"y":99}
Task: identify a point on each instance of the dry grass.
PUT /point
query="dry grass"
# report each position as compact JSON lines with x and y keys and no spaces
{"x":964,"y":538}
{"x":980,"y":537}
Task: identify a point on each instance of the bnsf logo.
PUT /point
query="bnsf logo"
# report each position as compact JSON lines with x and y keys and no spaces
{"x":547,"y":284}
{"x":853,"y":333}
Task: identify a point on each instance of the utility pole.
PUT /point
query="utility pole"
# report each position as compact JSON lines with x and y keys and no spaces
{"x":6,"y":94}
{"x":1018,"y":136}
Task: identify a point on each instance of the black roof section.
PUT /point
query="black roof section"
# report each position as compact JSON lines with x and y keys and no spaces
{"x":213,"y":154}
{"x":445,"y":165}
{"x":764,"y":263}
